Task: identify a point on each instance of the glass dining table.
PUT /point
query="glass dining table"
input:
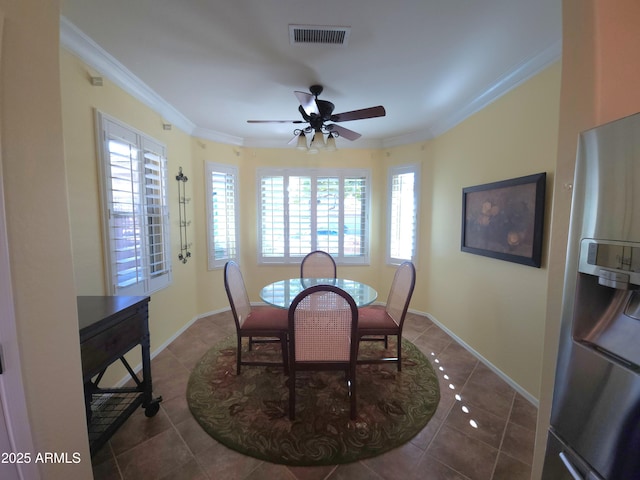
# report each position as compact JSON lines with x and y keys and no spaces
{"x":281,"y":293}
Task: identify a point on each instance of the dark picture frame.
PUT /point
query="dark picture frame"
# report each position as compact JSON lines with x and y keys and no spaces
{"x":505,"y":219}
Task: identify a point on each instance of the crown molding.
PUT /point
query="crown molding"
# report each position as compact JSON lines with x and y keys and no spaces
{"x":74,"y":40}
{"x":218,"y":137}
{"x":97,"y":58}
{"x":408,"y":138}
{"x":518,"y":75}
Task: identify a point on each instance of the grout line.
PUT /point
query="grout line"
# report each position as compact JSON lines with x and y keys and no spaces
{"x":115,"y":459}
{"x":248,"y":475}
{"x":449,"y":467}
{"x":534,"y":401}
{"x":425,"y":452}
{"x":365,"y":466}
{"x":175,"y":428}
{"x":448,"y":412}
{"x":455,"y":402}
{"x":504,"y":433}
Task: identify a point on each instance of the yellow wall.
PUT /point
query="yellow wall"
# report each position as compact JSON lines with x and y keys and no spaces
{"x":496,"y":307}
{"x":172,"y":308}
{"x":249,"y":160}
{"x":38,"y":234}
{"x":420,"y":154}
{"x":209,"y":283}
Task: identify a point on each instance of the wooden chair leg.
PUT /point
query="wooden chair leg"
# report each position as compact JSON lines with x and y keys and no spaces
{"x":239,"y":355}
{"x":285,"y":354}
{"x":292,"y":395}
{"x":352,"y":394}
{"x":399,"y":341}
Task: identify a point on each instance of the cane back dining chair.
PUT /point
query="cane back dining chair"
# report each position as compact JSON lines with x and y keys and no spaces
{"x":323,"y":323}
{"x":318,"y":264}
{"x":388,"y":320}
{"x":260,"y":324}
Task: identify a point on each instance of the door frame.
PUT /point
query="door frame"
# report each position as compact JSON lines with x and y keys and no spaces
{"x":12,"y":393}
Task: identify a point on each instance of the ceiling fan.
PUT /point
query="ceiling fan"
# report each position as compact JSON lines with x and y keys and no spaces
{"x":317,"y":113}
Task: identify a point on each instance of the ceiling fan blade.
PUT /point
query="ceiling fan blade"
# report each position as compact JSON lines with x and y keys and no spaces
{"x":308,"y":102}
{"x":371,"y":112}
{"x":344,"y":132}
{"x":276,"y":121}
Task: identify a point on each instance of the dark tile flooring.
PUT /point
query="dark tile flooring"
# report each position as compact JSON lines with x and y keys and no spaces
{"x":482,"y":429}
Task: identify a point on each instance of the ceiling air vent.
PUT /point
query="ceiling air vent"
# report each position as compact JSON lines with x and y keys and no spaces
{"x":318,"y":34}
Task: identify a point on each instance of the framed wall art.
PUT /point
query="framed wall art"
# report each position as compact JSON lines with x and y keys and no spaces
{"x":505,"y":219}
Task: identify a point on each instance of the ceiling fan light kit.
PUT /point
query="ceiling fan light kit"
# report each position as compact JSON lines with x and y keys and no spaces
{"x":318,"y":142}
{"x":302,"y":141}
{"x":331,"y":143}
{"x":317,"y":113}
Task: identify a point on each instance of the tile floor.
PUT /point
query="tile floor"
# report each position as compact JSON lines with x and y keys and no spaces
{"x":171,"y":445}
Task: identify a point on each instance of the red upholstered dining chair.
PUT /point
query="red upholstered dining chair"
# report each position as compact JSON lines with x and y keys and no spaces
{"x":263,"y":322}
{"x":387,"y":320}
{"x":318,"y":264}
{"x":323,"y":323}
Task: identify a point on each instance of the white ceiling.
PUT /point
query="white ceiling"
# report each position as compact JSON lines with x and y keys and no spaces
{"x":210,"y":65}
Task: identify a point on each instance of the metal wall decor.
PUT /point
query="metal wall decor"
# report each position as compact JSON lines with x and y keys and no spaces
{"x":182,"y":212}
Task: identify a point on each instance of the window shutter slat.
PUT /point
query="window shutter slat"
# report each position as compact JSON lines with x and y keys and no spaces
{"x":402,"y":213}
{"x":134,"y":185}
{"x":222,"y":208}
{"x":303,"y":210}
{"x":272,"y":216}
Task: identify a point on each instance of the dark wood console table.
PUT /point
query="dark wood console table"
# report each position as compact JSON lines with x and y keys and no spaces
{"x":109,"y":328}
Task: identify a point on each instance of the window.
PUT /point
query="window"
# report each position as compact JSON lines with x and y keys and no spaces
{"x":136,"y":217}
{"x":222,"y":213}
{"x":402,"y":213}
{"x":302,"y":210}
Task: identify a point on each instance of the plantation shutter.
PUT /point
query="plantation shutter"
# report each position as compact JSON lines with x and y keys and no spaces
{"x":303,"y":210}
{"x":328,"y":214}
{"x":156,"y":213}
{"x":299,"y":215}
{"x":402,"y":215}
{"x":356,"y":195}
{"x":134,"y":189}
{"x":222,"y":208}
{"x":272,"y":217}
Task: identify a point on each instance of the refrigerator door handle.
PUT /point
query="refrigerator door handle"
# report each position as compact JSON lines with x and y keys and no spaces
{"x":572,"y":470}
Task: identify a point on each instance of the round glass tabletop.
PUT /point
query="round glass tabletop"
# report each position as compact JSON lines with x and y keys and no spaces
{"x":281,"y":293}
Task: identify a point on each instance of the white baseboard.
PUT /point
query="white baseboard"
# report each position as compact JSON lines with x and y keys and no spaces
{"x":496,"y":370}
{"x":154,"y":353}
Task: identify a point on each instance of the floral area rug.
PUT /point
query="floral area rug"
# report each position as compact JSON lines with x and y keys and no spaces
{"x":249,"y":413}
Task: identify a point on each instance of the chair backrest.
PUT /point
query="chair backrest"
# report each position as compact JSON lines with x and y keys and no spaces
{"x":323,"y":322}
{"x":237,"y":292}
{"x":400,"y":293}
{"x":318,"y":264}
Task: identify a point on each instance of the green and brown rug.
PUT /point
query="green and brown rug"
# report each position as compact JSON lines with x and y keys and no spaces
{"x":249,"y":413}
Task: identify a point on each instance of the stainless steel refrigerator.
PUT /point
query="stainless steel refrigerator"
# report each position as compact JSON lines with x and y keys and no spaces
{"x":595,"y":419}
